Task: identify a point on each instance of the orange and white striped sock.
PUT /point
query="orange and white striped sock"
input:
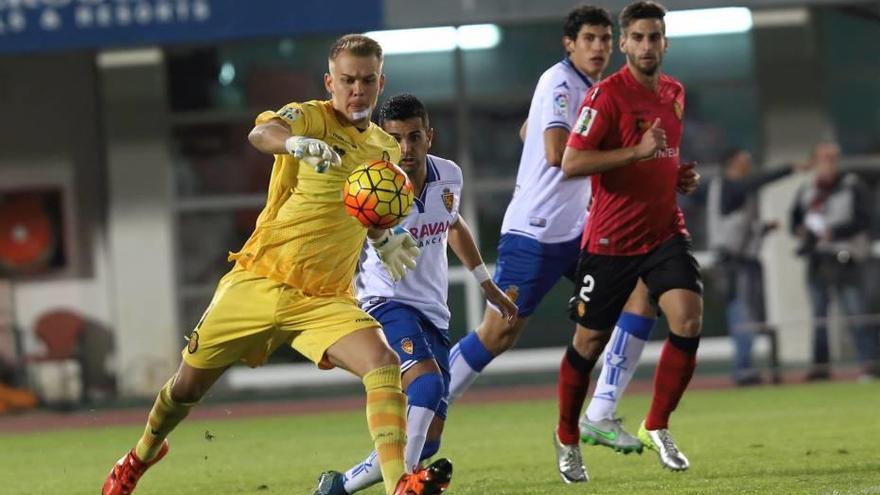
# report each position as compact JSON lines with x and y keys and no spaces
{"x":386,"y":418}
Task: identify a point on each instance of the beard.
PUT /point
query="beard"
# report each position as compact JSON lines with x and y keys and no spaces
{"x":410,"y":167}
{"x":648,"y":71}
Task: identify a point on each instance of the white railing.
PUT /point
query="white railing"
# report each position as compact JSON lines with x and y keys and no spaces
{"x":545,"y":359}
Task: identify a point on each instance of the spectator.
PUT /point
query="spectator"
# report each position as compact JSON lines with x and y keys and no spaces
{"x":735,"y":236}
{"x":831,"y":216}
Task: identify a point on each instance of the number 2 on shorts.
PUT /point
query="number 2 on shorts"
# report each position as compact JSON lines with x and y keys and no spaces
{"x":589,"y":283}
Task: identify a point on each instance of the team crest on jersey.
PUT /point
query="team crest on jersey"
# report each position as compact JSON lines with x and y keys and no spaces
{"x":406,"y":345}
{"x":585,"y":121}
{"x":679,"y":111}
{"x":192,"y":344}
{"x":448,"y":199}
{"x":291,"y":114}
{"x":641,"y":125}
{"x":581,"y":308}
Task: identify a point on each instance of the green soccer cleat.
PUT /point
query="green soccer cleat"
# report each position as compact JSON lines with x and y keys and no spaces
{"x":661,"y":441}
{"x":610,"y":433}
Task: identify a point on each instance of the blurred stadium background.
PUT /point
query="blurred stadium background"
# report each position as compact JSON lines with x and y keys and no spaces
{"x":126,"y":177}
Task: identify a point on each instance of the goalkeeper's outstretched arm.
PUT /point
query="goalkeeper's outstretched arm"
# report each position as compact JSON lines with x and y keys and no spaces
{"x":274,"y":138}
{"x":269,"y":137}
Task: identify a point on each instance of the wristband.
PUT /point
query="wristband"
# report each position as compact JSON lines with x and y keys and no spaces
{"x":290,"y":143}
{"x":381,"y":240}
{"x":481,"y":273}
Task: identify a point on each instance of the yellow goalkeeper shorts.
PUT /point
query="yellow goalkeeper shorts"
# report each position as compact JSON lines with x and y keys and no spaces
{"x":250,"y":316}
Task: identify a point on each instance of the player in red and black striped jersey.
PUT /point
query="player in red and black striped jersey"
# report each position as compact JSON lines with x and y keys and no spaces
{"x":627,"y":138}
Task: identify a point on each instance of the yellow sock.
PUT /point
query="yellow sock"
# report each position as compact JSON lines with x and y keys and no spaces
{"x":386,"y":418}
{"x":164,"y":417}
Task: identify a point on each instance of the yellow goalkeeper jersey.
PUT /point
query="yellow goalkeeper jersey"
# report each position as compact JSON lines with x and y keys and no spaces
{"x":304,"y":237}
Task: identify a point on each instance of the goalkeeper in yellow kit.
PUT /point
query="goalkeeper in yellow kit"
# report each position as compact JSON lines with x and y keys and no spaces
{"x":291,"y":283}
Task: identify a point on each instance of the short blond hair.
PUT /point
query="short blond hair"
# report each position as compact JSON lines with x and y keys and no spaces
{"x":356,"y":44}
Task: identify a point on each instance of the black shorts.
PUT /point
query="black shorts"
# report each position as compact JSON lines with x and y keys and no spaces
{"x":604,"y":282}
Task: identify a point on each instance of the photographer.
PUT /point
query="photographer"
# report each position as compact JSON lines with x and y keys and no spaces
{"x":831,"y":217}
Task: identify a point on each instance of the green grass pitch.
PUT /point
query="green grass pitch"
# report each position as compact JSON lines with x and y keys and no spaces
{"x":809,"y":439}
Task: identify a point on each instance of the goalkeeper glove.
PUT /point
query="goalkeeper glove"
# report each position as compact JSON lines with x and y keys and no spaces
{"x":314,"y":152}
{"x":397,"y":251}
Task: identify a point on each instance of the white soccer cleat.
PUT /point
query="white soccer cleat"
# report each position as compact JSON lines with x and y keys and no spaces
{"x":661,"y":441}
{"x":569,"y":462}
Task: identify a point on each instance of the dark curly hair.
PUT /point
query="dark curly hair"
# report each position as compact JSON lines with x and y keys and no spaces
{"x":585,"y":14}
{"x":401,"y":107}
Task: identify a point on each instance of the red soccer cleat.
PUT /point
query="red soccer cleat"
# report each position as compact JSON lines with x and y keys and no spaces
{"x":431,"y":480}
{"x":125,"y":474}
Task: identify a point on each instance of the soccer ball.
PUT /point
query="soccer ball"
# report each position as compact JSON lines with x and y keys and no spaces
{"x":378,"y":194}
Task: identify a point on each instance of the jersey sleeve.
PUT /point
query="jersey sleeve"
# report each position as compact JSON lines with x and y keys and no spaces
{"x":556,"y":101}
{"x":595,"y":118}
{"x":303,"y":119}
{"x":459,"y":179}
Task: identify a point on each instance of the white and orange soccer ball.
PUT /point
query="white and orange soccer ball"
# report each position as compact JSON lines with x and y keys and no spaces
{"x":378,"y":194}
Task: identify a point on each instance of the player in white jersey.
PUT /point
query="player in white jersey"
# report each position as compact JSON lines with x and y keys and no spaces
{"x":413,"y":311}
{"x":540,"y":244}
{"x":545,"y":207}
